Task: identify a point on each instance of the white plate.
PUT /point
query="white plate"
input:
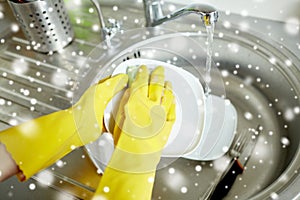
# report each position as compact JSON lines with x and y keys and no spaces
{"x":218,"y":133}
{"x":204,"y":127}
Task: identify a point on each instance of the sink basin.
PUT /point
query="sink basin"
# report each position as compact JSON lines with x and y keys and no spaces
{"x":258,"y":73}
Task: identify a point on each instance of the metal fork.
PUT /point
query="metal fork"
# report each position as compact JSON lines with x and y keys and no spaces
{"x":241,"y":142}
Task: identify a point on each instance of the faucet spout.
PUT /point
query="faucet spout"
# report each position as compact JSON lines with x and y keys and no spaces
{"x":154,"y":15}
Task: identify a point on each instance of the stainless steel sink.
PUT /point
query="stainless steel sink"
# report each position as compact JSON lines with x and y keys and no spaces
{"x":259,"y":72}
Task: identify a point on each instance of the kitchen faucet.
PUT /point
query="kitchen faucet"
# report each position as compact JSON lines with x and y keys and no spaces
{"x":154,"y":14}
{"x":107,"y":31}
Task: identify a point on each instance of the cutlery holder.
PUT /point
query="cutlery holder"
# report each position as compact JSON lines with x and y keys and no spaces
{"x":45,"y":23}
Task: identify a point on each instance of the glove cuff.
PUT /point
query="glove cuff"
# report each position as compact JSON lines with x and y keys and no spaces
{"x":123,"y":186}
{"x":36,"y":144}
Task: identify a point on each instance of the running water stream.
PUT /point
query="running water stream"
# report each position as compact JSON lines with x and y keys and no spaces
{"x":209,"y":41}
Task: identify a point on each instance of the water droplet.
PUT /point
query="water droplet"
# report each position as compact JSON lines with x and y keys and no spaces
{"x":289,"y":114}
{"x":32,"y":186}
{"x":297,"y":110}
{"x":20,"y":66}
{"x":115,"y":8}
{"x":172,"y":7}
{"x":45,"y":178}
{"x":59,"y":78}
{"x":171,"y":170}
{"x":69,"y":94}
{"x":248,"y":115}
{"x":60,"y":163}
{"x":225,"y":73}
{"x":288,"y":63}
{"x":292,"y":26}
{"x":106,"y":189}
{"x":227,"y":24}
{"x":10,"y":194}
{"x":184,"y":190}
{"x":26,"y":92}
{"x":78,"y":21}
{"x":272,"y":60}
{"x":13,"y":122}
{"x":244,"y":13}
{"x":270,"y":104}
{"x":151,"y":179}
{"x":33,"y":101}
{"x":198,"y":168}
{"x":274,"y":195}
{"x":2,"y":102}
{"x":259,"y":116}
{"x":15,"y":27}
{"x":285,"y":141}
{"x":225,"y":149}
{"x":91,"y":10}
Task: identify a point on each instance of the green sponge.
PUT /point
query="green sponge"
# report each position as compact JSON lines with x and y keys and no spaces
{"x":131,"y":71}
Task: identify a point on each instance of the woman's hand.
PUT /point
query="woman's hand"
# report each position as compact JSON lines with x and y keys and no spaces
{"x":143,"y":124}
{"x":37,"y":144}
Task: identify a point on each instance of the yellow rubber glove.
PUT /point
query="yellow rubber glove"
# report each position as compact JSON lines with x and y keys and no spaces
{"x":38,"y":143}
{"x":143,"y":124}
